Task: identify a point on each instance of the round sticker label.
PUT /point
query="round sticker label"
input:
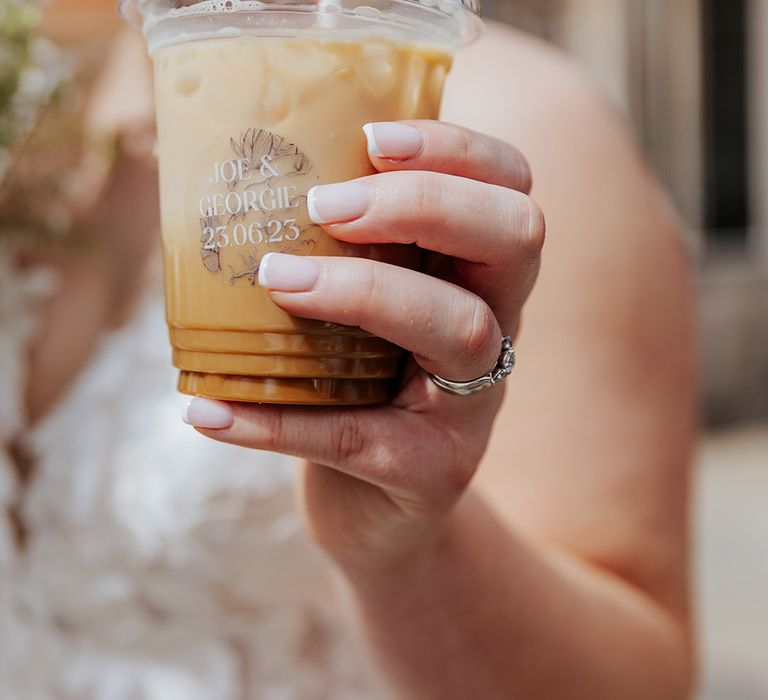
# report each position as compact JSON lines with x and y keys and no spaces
{"x":247,"y":197}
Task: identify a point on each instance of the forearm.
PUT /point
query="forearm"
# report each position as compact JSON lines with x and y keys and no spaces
{"x":486,"y":615}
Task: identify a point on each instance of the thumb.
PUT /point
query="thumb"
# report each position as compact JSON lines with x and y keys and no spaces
{"x":392,"y":448}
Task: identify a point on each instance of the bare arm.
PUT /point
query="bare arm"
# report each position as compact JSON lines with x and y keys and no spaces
{"x":494,"y":615}
{"x":565,"y":576}
{"x":561,"y":571}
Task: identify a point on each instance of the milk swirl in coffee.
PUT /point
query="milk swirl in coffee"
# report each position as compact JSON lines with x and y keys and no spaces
{"x":247,"y":125}
{"x":256,"y":104}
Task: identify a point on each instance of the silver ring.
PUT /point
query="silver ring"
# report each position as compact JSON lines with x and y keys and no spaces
{"x":499,"y":373}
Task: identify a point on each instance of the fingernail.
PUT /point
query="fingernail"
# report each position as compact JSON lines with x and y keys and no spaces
{"x":288,"y":273}
{"x":393,"y":140}
{"x":204,"y":413}
{"x":334,"y":204}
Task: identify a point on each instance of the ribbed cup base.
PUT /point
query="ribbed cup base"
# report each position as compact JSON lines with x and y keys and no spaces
{"x":346,"y":367}
{"x":327,"y":392}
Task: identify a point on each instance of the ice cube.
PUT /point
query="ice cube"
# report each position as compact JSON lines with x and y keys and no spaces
{"x":376,"y":68}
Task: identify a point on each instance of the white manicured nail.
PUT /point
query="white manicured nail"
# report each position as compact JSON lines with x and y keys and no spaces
{"x":393,"y":140}
{"x":288,"y":273}
{"x":335,"y":204}
{"x":205,"y":413}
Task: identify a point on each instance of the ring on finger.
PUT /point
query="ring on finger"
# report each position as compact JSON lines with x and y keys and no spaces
{"x":500,"y":371}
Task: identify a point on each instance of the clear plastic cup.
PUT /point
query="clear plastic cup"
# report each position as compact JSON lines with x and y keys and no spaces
{"x":257,"y":102}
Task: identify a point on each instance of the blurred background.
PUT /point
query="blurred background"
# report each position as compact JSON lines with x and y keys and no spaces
{"x":692,"y":76}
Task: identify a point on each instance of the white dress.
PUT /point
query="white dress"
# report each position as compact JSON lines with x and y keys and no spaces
{"x":157,"y":564}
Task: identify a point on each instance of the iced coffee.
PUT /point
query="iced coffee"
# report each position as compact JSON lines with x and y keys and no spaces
{"x":249,"y":119}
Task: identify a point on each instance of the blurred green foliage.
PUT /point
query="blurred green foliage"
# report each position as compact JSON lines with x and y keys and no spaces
{"x":18,"y":22}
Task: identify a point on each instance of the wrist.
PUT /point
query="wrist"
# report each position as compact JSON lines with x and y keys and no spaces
{"x":432,"y":555}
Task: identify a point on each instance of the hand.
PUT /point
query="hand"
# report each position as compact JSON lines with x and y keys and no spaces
{"x":391,"y":475}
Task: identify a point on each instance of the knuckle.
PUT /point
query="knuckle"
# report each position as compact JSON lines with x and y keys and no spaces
{"x":349,"y":439}
{"x":479,"y":332}
{"x":407,"y":201}
{"x":524,"y":221}
{"x":370,"y":289}
{"x":427,"y":202}
{"x":523,"y":176}
{"x":462,"y":143}
{"x":273,"y":429}
{"x":537,"y":228}
{"x":367,"y":286}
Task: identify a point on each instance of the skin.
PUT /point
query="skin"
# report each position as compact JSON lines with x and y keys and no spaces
{"x":74,"y":21}
{"x":558,"y":568}
{"x":553,"y":563}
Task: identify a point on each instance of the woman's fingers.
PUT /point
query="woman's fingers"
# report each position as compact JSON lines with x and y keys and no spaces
{"x":495,"y":234}
{"x":454,"y":216}
{"x":455,"y":192}
{"x":439,"y":147}
{"x":449,"y":330}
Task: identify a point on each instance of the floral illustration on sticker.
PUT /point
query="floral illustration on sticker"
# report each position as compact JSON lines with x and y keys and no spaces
{"x":254,"y":202}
